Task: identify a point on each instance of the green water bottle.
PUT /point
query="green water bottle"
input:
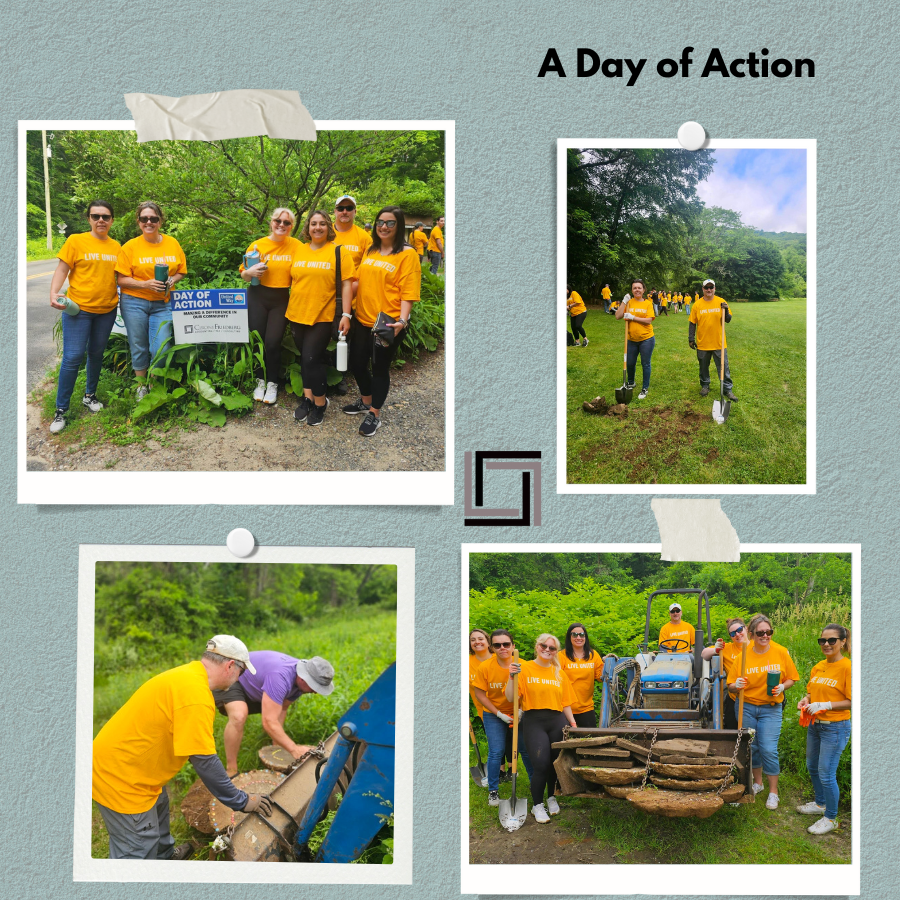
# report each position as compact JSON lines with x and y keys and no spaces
{"x":772,"y":680}
{"x":72,"y":308}
{"x":161,"y":273}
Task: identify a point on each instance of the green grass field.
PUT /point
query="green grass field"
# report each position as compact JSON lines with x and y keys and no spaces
{"x":360,"y":645}
{"x":670,"y":437}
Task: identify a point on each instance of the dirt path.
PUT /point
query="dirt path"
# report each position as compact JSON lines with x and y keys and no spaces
{"x":268,"y":439}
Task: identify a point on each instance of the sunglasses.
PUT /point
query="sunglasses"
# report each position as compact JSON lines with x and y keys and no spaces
{"x":709,"y":289}
{"x":548,"y":649}
{"x":501,"y":645}
{"x":830,"y":641}
{"x":578,"y":634}
{"x":101,"y":217}
{"x":386,"y":223}
{"x":768,"y":633}
{"x":283,"y":222}
{"x":345,"y":208}
{"x":736,"y":631}
{"x":676,"y":610}
{"x":148,"y":220}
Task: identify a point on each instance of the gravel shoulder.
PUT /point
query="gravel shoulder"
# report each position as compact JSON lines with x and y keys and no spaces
{"x":268,"y":439}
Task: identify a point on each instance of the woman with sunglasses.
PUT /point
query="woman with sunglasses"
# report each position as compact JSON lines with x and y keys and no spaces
{"x":267,"y":301}
{"x":728,"y":653}
{"x":390,"y":281}
{"x":828,"y":699}
{"x":584,"y":667}
{"x":547,"y":699}
{"x":770,"y":672}
{"x":88,"y":260}
{"x":489,"y":687}
{"x":311,"y":309}
{"x":144,"y":300}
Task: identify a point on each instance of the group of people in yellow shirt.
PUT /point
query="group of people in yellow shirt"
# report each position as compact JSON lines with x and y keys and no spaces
{"x":556,"y":689}
{"x":662,"y":300}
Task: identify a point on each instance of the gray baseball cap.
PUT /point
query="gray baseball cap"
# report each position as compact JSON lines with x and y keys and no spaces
{"x":318,"y":673}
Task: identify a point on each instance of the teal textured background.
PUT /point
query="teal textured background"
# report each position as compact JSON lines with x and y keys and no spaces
{"x":475,"y":63}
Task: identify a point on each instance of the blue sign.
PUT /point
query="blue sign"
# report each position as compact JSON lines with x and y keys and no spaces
{"x":183,"y":301}
{"x":210,"y":317}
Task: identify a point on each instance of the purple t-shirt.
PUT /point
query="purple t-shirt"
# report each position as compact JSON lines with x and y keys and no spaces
{"x":276,"y":675}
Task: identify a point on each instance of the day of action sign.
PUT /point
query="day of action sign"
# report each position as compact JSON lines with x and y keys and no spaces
{"x":210,"y":317}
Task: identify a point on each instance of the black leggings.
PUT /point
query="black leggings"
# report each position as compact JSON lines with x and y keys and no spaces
{"x":365,"y":352}
{"x":311,"y":341}
{"x":586,"y":719}
{"x":577,"y":329}
{"x":266,"y":307}
{"x":541,"y":728}
{"x":729,"y":713}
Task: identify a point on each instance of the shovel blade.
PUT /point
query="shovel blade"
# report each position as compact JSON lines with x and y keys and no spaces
{"x":718,"y":413}
{"x":512,"y":818}
{"x":624,"y":395}
{"x":478,"y":776}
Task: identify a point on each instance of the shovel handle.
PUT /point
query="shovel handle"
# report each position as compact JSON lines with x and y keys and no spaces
{"x":515,"y":746}
{"x":741,"y":699}
{"x":472,"y":735}
{"x":722,"y":367}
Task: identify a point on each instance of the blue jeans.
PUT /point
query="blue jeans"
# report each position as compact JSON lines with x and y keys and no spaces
{"x":766,"y":719}
{"x":499,"y":736}
{"x":149,"y":327}
{"x":825,"y":742}
{"x":87,"y":333}
{"x":645,"y":349}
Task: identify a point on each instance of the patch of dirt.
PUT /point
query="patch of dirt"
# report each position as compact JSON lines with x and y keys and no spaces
{"x":712,"y":456}
{"x":666,"y":428}
{"x":268,"y":439}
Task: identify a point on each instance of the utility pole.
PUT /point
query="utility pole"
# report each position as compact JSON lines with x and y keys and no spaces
{"x":46,"y":188}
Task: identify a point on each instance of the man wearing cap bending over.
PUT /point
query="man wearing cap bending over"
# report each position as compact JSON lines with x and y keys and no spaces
{"x":348,"y":234}
{"x":680,"y":635}
{"x":705,"y":336}
{"x":165,"y":723}
{"x":275,"y":682}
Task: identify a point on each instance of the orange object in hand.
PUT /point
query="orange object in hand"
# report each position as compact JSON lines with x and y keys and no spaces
{"x":806,"y":718}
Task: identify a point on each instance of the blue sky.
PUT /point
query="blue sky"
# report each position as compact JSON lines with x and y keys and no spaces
{"x":767,"y":187}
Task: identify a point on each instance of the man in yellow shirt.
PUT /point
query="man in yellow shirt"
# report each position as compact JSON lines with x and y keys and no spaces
{"x":348,"y":234}
{"x":419,"y":240}
{"x":676,"y":632}
{"x":705,"y":336}
{"x":436,"y":245}
{"x":167,"y":722}
{"x":606,"y":294}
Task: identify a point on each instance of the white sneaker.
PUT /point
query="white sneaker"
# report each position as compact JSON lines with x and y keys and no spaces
{"x":823,"y":826}
{"x":811,"y":809}
{"x":586,"y":342}
{"x":271,"y":393}
{"x":260,"y":391}
{"x":59,"y":422}
{"x":772,"y":802}
{"x":91,"y":402}
{"x":756,"y":788}
{"x":540,"y":814}
{"x":141,"y":392}
{"x":552,"y":806}
{"x":484,"y":781}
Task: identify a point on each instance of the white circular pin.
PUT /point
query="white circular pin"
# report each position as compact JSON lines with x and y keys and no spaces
{"x":691,"y":135}
{"x":240,"y":542}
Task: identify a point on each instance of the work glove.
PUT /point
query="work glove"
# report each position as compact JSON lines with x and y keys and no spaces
{"x":724,"y":306}
{"x":814,"y":708}
{"x":693,"y":345}
{"x":515,"y":668}
{"x":740,"y":683}
{"x":629,"y":317}
{"x":521,"y":711}
{"x":503,"y":717}
{"x":258,"y":803}
{"x":778,"y":690}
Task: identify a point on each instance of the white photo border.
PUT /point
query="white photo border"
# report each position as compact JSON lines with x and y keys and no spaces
{"x":86,"y":868}
{"x":682,"y":880}
{"x":245,"y":488}
{"x":562,"y":487}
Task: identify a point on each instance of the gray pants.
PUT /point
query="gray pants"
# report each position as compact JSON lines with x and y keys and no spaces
{"x":704,"y":357}
{"x":435,"y":258}
{"x":140,"y":836}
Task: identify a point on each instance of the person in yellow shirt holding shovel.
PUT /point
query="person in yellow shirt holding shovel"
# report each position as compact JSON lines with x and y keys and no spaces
{"x":706,"y":335}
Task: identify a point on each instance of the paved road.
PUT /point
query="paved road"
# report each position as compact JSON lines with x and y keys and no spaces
{"x":42,"y":316}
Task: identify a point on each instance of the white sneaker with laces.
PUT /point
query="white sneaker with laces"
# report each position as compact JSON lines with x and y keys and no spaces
{"x":141,"y":392}
{"x":540,"y":814}
{"x":59,"y":422}
{"x":586,"y":342}
{"x":260,"y":391}
{"x":756,"y":788}
{"x":772,"y":801}
{"x":271,"y":393}
{"x":91,"y":402}
{"x":811,"y":809}
{"x":552,"y":806}
{"x":823,"y":826}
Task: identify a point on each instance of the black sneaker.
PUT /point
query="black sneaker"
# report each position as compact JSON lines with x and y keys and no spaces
{"x":704,"y":391}
{"x":302,"y":410}
{"x":59,"y":421}
{"x":493,"y":798}
{"x":354,"y":409}
{"x":506,"y":776}
{"x":370,"y":425}
{"x":183,"y":851}
{"x":316,"y":414}
{"x":730,"y":396}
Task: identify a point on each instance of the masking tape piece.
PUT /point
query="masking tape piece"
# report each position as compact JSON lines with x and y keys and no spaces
{"x":695,"y":530}
{"x":224,"y":114}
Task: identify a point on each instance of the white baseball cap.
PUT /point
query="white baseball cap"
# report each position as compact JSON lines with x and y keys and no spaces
{"x":709,"y":281}
{"x":230,"y":647}
{"x":345,"y":197}
{"x":675,"y":606}
{"x":318,"y":673}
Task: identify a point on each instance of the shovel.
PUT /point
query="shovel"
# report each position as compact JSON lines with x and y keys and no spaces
{"x":514,"y":811}
{"x":479,"y":776}
{"x":721,"y":407}
{"x":625,"y":393}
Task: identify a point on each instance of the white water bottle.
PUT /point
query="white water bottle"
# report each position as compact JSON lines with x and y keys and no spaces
{"x":341,"y":362}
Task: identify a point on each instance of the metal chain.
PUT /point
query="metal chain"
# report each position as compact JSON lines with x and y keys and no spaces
{"x":649,"y":757}
{"x":318,"y":751}
{"x":566,"y":731}
{"x":737,"y":744}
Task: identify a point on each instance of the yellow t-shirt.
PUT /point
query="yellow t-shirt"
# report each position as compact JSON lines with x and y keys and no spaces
{"x":357,"y":240}
{"x":731,"y":656}
{"x":436,"y":235}
{"x":145,"y":744}
{"x":582,"y":673}
{"x":664,"y":300}
{"x":637,"y":331}
{"x":696,"y":298}
{"x":474,"y":663}
{"x":278,"y":257}
{"x":606,"y":293}
{"x":542,"y":687}
{"x":707,"y":316}
{"x":419,"y":241}
{"x":830,"y":681}
{"x":92,"y":271}
{"x":312,"y":283}
{"x":138,"y":259}
{"x":775,"y":659}
{"x":683,"y":630}
{"x":577,"y":306}
{"x":384,"y":281}
{"x":491,"y":678}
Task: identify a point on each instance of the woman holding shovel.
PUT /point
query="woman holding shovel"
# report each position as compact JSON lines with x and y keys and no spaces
{"x":489,"y":688}
{"x":547,"y":699}
{"x":769,"y":672}
{"x":638,"y":314}
{"x":827,"y":700}
{"x":584,"y":667}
